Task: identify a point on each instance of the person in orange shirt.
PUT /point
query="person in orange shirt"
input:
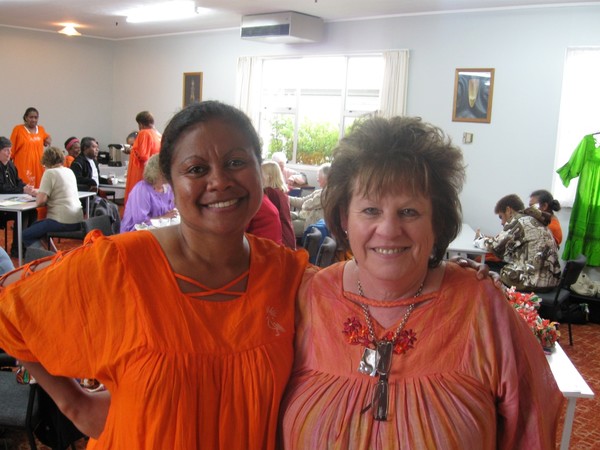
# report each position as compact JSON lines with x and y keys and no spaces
{"x":29,"y":140}
{"x":547,"y":203}
{"x":73,"y":148}
{"x":146,"y":144}
{"x":190,"y":327}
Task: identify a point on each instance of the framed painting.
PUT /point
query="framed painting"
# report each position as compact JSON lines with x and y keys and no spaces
{"x":473,"y":93}
{"x":192,"y":88}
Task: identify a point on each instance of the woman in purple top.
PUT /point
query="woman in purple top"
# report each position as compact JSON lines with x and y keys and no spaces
{"x":151,"y":198}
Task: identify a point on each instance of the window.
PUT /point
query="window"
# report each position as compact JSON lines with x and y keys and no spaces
{"x":303,"y":105}
{"x":306,"y":104}
{"x":579,"y":113}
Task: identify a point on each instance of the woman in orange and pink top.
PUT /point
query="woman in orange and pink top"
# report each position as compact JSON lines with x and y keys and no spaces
{"x":398,"y":348}
{"x":146,"y":144}
{"x":29,"y":140}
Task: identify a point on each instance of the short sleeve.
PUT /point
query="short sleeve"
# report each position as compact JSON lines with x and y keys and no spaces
{"x":71,"y":316}
{"x":572,"y":169}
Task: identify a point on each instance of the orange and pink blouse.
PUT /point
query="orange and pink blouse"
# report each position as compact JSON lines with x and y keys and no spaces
{"x":476,"y":377}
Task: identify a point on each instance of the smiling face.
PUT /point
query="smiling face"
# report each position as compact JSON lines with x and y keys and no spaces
{"x":216,"y":178}
{"x":392,"y":237}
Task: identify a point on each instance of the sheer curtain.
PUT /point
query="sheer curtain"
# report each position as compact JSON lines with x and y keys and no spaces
{"x":579,"y":112}
{"x":395,"y":83}
{"x":247,"y":96}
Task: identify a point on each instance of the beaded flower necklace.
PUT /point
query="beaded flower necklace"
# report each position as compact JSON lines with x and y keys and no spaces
{"x":359,"y":334}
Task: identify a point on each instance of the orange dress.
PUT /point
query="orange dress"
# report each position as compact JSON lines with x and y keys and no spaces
{"x":68,"y":161}
{"x":146,"y":144}
{"x":476,"y":378}
{"x":184,"y":373}
{"x":27,"y":150}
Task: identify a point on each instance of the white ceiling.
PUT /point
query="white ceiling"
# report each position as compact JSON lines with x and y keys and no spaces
{"x":102,"y":18}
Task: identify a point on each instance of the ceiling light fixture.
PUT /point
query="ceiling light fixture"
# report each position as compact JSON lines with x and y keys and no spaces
{"x":69,"y":30}
{"x":174,"y":10}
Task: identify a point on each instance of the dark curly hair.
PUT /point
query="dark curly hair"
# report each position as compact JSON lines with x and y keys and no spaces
{"x":401,"y":153}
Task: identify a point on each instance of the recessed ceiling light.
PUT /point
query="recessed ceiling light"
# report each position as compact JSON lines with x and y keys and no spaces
{"x":70,"y":30}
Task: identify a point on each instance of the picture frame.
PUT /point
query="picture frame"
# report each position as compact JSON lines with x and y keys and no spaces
{"x":192,"y":88}
{"x":473,"y":94}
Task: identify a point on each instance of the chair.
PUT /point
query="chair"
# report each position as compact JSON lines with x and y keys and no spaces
{"x":33,"y":253}
{"x":101,"y":223}
{"x":312,"y":242}
{"x":326,"y":252}
{"x":556,"y":301}
{"x":20,"y":405}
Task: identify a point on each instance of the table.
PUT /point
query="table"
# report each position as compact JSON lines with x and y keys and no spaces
{"x":18,"y":208}
{"x":571,"y":384}
{"x":463,"y":244}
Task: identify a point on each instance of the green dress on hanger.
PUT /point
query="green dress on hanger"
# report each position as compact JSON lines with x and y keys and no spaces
{"x":584,"y":227}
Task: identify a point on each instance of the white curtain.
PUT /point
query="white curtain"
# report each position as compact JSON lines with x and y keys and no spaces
{"x":579,"y":113}
{"x":248,"y":86}
{"x":395,"y":83}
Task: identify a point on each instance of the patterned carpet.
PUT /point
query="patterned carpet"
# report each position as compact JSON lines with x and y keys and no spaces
{"x":585,"y":355}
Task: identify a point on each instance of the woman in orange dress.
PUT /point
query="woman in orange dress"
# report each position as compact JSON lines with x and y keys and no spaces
{"x":29,"y":140}
{"x":146,"y":144}
{"x":397,"y":348}
{"x":190,"y":327}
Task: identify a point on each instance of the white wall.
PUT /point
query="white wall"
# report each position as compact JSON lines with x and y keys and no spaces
{"x":512,"y":154}
{"x":69,"y":80}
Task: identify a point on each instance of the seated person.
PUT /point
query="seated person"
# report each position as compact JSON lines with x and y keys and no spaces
{"x":58,"y":192}
{"x":86,"y":169}
{"x":266,"y":223}
{"x":292,"y":177}
{"x":547,"y":203}
{"x":525,"y":244}
{"x":151,"y":198}
{"x":73,"y":148}
{"x":276,"y":189}
{"x":311,"y":210}
{"x":10,"y":183}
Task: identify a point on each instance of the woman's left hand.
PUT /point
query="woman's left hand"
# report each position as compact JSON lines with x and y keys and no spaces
{"x":483,"y":271}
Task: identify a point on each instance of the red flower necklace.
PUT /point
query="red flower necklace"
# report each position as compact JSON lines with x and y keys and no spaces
{"x":358,"y":334}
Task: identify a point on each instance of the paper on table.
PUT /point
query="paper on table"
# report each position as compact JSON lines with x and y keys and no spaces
{"x":17,"y":200}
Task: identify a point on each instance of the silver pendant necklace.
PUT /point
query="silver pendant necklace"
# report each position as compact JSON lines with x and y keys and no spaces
{"x":370,"y":358}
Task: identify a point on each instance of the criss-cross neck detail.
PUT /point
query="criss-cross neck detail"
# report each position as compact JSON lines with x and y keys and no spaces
{"x":206,"y":291}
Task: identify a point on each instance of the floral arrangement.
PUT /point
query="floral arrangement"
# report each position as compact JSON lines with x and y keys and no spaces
{"x":527,"y":306}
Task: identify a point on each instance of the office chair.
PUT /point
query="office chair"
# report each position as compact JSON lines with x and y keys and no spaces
{"x":555,"y":304}
{"x":326,"y":253}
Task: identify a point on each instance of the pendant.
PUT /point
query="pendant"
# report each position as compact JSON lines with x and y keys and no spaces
{"x":368,"y":362}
